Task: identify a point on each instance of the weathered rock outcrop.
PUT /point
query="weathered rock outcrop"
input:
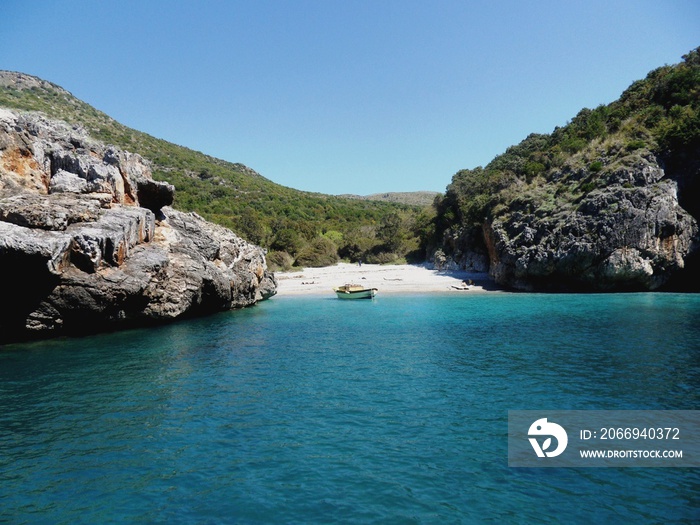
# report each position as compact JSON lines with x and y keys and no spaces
{"x":629,"y":233}
{"x":88,"y":240}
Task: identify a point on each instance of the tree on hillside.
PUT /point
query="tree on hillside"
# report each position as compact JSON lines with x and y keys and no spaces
{"x":391,"y":232}
{"x":320,"y":252}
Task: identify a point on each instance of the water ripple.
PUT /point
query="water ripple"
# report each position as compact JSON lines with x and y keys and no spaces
{"x":312,"y":411}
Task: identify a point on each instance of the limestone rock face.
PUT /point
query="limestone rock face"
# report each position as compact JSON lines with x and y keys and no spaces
{"x":88,"y":240}
{"x":631,"y":234}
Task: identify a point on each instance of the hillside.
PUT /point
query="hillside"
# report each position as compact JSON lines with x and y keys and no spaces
{"x":611,"y":201}
{"x":307,"y":228}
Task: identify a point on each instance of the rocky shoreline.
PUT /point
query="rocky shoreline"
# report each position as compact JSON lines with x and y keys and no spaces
{"x":629,"y":234}
{"x":88,"y":240}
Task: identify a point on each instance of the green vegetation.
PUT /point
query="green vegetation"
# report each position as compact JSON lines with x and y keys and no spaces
{"x":546,"y":173}
{"x":658,"y":116}
{"x":416,"y":198}
{"x":298,"y":227}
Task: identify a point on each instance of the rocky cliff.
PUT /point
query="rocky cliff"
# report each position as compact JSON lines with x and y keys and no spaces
{"x":628,"y":234}
{"x":88,"y":240}
{"x":609,"y":202}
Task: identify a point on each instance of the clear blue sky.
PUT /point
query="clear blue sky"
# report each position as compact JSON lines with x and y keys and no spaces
{"x":346,"y":96}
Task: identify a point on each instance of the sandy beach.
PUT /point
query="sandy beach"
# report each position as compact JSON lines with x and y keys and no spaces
{"x":386,"y":278}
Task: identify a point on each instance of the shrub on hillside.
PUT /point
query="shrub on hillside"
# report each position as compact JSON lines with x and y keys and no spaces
{"x":318,"y":253}
{"x":595,"y":166}
{"x":279,"y":261}
{"x":287,"y":240}
{"x":357,"y":243}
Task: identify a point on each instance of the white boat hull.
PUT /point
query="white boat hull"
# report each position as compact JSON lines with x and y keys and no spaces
{"x":364,"y":293}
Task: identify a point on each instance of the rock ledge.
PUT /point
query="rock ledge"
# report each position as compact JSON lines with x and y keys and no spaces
{"x":89,"y":242}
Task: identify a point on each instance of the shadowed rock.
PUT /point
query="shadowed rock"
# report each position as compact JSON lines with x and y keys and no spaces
{"x":89,"y":239}
{"x":620,"y":237}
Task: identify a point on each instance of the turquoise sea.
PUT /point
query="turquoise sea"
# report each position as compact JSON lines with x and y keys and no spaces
{"x":313,"y":410}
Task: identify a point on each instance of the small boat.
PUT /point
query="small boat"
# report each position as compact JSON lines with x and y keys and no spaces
{"x":354,"y":291}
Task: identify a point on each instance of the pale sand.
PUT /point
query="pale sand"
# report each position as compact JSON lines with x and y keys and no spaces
{"x":386,"y":278}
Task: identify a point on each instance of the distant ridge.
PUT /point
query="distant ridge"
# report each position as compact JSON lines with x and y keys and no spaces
{"x":412,"y":198}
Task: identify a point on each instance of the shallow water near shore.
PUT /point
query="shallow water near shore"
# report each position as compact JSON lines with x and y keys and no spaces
{"x":315,"y":410}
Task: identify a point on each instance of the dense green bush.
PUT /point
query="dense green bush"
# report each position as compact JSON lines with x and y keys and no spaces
{"x":279,"y":261}
{"x":633,"y":145}
{"x":319,"y":252}
{"x":595,"y":166}
{"x":288,"y":240}
{"x":357,"y":243}
{"x":381,"y":257}
{"x":391,"y":232}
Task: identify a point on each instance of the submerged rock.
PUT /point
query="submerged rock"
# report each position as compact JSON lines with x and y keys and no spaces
{"x":90,"y":242}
